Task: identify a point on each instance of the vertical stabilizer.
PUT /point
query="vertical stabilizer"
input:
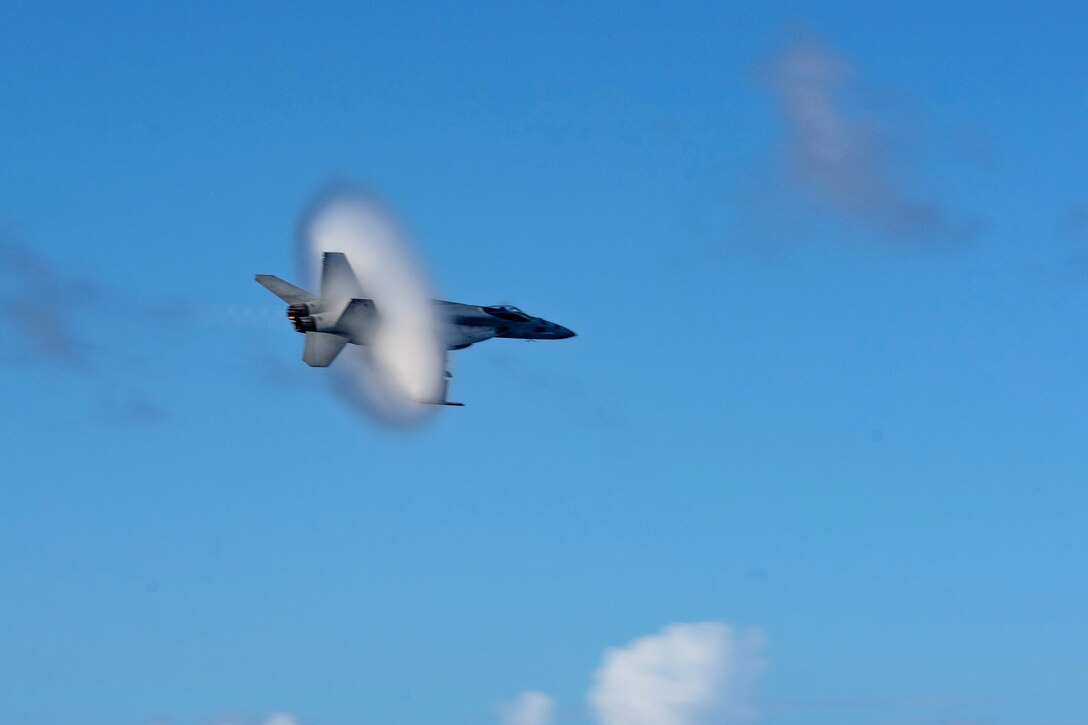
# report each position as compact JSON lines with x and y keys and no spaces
{"x":338,"y":280}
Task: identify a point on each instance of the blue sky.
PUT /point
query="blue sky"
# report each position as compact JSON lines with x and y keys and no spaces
{"x":784,"y":411}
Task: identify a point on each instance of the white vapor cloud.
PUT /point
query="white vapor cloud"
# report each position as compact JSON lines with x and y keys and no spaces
{"x":682,"y":676}
{"x":402,"y":365}
{"x":528,"y":708}
{"x":844,"y":159}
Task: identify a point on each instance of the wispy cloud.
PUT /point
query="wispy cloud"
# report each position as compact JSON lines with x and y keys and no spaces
{"x":845,"y":158}
{"x":41,"y":306}
{"x":45,"y":311}
{"x":528,"y":708}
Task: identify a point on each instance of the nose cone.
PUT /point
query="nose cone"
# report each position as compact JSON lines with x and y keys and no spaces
{"x":544,"y":330}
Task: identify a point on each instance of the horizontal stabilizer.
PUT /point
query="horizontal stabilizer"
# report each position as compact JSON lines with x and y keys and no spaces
{"x":322,"y":348}
{"x":286,"y":291}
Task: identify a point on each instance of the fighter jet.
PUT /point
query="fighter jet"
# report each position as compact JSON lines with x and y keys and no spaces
{"x":331,"y":321}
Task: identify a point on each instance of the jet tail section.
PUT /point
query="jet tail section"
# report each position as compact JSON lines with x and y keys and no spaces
{"x":321,"y":348}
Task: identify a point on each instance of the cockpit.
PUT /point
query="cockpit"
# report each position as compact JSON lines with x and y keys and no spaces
{"x":508,"y":313}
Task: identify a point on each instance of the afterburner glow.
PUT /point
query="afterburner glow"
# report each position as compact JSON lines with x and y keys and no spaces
{"x":403,"y":366}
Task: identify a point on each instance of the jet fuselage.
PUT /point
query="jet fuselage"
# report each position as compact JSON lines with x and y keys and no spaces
{"x":469,"y":324}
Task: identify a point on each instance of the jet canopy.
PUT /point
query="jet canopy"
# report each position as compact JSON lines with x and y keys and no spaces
{"x":508,"y":313}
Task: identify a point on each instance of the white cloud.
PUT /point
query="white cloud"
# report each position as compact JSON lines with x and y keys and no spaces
{"x":685,"y":675}
{"x":682,"y":676}
{"x":528,"y":708}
